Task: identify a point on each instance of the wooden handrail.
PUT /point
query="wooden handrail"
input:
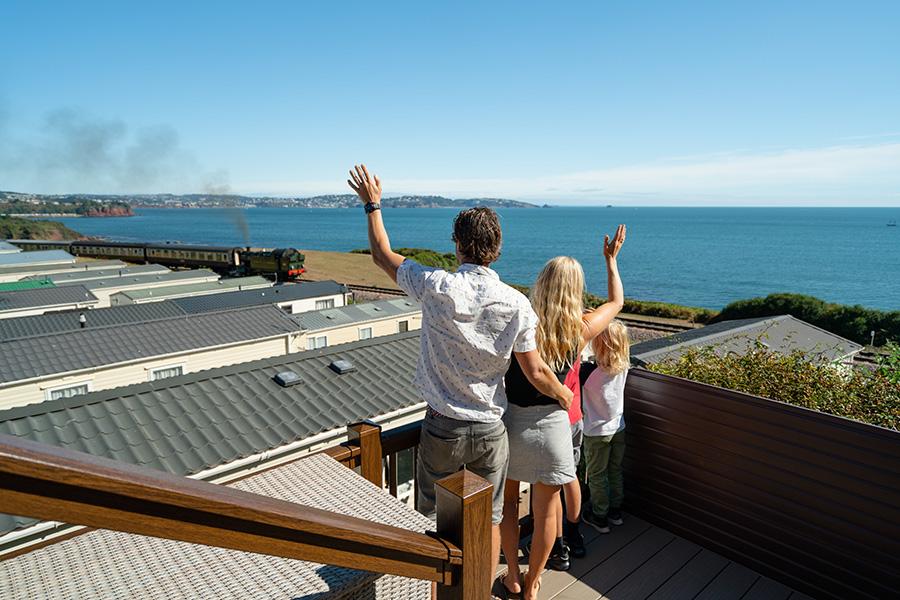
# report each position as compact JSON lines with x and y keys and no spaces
{"x":47,"y":482}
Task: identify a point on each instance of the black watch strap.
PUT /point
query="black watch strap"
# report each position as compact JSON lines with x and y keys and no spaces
{"x":372,"y":207}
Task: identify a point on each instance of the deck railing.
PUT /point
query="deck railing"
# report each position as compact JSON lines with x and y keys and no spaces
{"x":809,"y":499}
{"x":47,"y":482}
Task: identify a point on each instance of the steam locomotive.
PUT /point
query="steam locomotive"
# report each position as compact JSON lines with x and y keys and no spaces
{"x":284,"y":263}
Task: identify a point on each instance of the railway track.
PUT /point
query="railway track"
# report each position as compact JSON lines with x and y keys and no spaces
{"x":372,"y":289}
{"x":634,"y":321}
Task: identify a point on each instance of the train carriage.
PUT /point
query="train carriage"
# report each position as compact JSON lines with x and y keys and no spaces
{"x":221,"y":258}
{"x":127,"y":251}
{"x":30,"y":245}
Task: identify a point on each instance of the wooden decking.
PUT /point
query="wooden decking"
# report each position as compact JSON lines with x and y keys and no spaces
{"x":639,"y":561}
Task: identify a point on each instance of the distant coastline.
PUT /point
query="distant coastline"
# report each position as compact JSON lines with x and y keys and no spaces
{"x":20,"y":203}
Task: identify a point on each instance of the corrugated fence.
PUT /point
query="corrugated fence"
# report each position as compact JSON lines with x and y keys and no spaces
{"x":806,"y":498}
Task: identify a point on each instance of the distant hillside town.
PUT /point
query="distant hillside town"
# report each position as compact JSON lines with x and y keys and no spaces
{"x":17,"y":203}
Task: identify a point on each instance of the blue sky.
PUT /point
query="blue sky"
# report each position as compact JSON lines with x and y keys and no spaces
{"x":652,"y":103}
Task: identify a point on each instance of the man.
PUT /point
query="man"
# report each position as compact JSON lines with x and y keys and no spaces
{"x":472,"y":324}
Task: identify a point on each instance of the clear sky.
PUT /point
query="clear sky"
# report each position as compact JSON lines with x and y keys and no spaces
{"x":653,"y":103}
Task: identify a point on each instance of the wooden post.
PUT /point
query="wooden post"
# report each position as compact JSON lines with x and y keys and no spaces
{"x":368,"y":435}
{"x":464,"y":518}
{"x":393,"y":465}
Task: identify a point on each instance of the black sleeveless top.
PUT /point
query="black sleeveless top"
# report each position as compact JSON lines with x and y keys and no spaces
{"x":519,"y":390}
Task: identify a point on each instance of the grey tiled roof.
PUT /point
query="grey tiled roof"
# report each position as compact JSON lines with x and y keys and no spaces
{"x":45,"y":296}
{"x":61,"y":268}
{"x":278,"y":293}
{"x":201,"y":420}
{"x":84,"y":275}
{"x":24,"y":358}
{"x":356,"y":313}
{"x":783,"y":333}
{"x":7,"y":247}
{"x":58,"y":322}
{"x":34,"y":258}
{"x":157,"y":280}
{"x":182,"y":289}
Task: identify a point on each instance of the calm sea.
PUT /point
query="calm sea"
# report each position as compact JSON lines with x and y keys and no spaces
{"x":694,"y":256}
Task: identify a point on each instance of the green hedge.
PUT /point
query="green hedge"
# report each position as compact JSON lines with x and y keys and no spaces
{"x":871,"y":396}
{"x":423,"y":256}
{"x":852,"y":322}
{"x":17,"y":228}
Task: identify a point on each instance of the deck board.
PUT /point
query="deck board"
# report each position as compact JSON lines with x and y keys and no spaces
{"x":599,"y":548}
{"x":605,"y":576}
{"x":692,"y":578}
{"x":639,"y":561}
{"x":655,"y":572}
{"x":768,"y":589}
{"x":731,"y":584}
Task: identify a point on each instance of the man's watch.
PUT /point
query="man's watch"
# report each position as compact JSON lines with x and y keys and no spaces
{"x":372,"y":207}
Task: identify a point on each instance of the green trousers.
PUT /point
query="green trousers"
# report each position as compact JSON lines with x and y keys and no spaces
{"x":603,"y":456}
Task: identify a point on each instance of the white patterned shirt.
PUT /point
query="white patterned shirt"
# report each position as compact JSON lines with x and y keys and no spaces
{"x":471,"y":324}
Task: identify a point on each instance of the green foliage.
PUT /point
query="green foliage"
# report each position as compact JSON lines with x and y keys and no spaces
{"x":852,"y":322}
{"x":889,"y":362}
{"x":423,"y":256}
{"x":657,"y":309}
{"x":868,"y":395}
{"x":28,"y":229}
{"x":66,"y":207}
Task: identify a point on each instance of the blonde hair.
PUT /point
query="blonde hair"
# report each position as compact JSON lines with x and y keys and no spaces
{"x":612,"y":347}
{"x":558,"y":300}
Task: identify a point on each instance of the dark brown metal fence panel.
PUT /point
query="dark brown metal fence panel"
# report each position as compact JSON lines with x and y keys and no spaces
{"x":809,"y":499}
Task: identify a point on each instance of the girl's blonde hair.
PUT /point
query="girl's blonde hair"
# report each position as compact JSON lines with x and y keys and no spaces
{"x":558,"y":300}
{"x":612,"y":347}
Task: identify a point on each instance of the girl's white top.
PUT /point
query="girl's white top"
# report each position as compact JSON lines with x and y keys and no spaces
{"x":603,"y":399}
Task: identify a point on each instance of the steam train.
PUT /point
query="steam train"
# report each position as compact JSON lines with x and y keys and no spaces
{"x":283,"y":263}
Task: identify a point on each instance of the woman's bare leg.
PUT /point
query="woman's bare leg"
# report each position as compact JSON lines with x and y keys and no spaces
{"x":509,"y":535}
{"x":546,"y":506}
{"x":572,"y":493}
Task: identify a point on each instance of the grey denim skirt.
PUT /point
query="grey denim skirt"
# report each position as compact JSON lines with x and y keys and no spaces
{"x":540,"y":444}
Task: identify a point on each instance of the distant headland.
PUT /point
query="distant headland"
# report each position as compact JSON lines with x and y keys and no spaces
{"x":19,"y":203}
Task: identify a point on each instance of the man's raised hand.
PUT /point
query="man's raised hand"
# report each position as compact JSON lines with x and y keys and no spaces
{"x":367,"y":187}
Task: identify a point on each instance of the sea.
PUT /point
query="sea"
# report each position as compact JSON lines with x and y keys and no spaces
{"x":703,"y":257}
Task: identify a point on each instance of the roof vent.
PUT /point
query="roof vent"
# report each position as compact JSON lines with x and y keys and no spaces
{"x":378,"y":308}
{"x":287,"y":379}
{"x":342,"y":366}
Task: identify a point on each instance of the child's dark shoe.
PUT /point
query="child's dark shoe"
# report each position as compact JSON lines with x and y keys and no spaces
{"x":601,"y":524}
{"x":615,"y":516}
{"x":573,"y":539}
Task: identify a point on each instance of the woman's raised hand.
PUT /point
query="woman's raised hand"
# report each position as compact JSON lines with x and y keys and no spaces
{"x":611,"y":248}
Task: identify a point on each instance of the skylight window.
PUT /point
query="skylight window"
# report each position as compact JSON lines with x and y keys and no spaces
{"x":287,"y":379}
{"x":342,"y":366}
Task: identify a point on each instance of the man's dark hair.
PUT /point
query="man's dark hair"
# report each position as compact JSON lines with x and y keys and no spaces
{"x":477,"y":231}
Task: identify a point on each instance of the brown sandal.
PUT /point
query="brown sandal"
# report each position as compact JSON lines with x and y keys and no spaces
{"x":504,"y":593}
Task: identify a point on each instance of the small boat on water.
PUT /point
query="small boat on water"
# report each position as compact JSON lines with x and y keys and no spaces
{"x":892,"y":223}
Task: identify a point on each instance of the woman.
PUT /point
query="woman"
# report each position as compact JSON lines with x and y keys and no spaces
{"x":540,"y":438}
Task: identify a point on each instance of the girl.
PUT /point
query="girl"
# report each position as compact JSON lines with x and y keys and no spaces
{"x":604,"y":426}
{"x":540,"y":438}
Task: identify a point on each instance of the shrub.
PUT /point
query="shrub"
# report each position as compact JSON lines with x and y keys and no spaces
{"x":889,"y":362}
{"x":658,"y":309}
{"x":868,"y":395}
{"x":852,"y":322}
{"x":30,"y":229}
{"x":423,"y":256}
